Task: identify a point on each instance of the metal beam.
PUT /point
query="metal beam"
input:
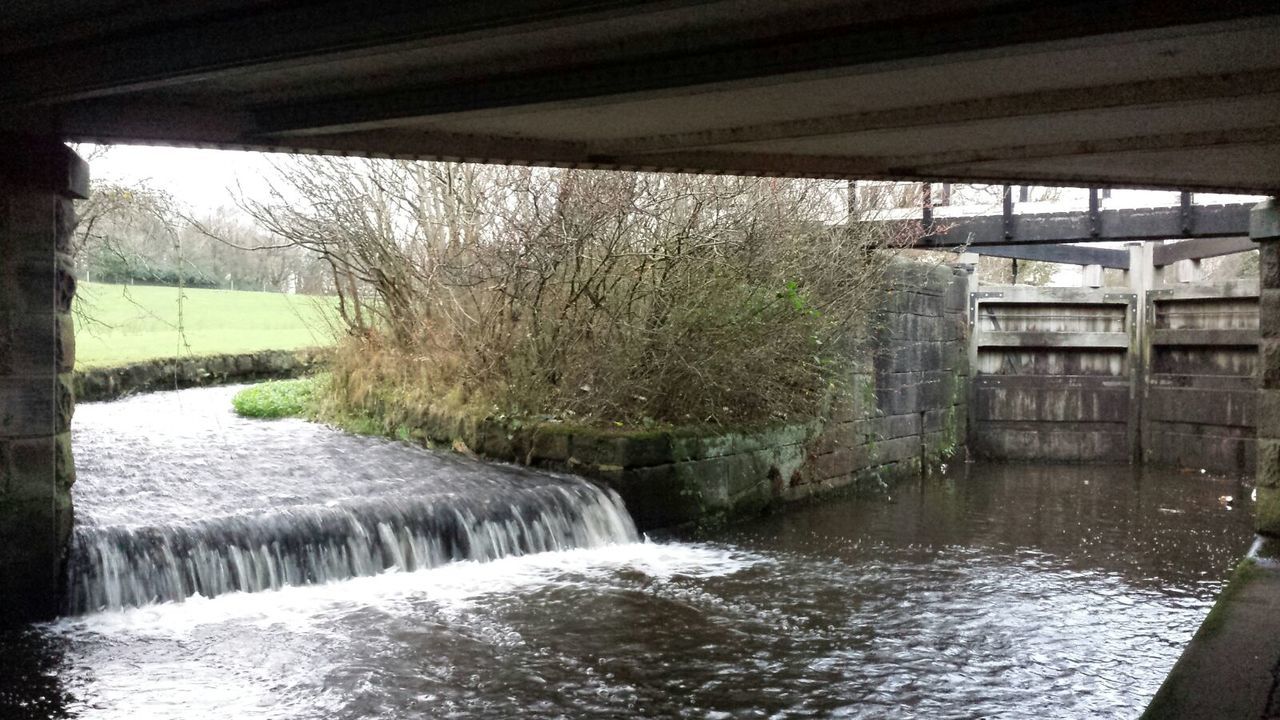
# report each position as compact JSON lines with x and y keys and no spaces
{"x":1200,"y":248}
{"x":1065,"y":254}
{"x":1116,"y":225}
{"x":865,"y":167}
{"x":233,"y":131}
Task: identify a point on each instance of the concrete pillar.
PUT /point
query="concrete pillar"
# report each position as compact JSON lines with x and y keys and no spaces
{"x":1264,"y":228}
{"x":39,"y":177}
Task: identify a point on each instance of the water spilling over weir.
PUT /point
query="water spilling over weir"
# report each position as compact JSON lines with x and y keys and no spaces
{"x":115,"y":567}
{"x":303,"y":523}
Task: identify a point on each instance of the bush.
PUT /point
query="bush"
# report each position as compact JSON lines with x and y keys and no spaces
{"x":275,"y":399}
{"x":596,"y":297}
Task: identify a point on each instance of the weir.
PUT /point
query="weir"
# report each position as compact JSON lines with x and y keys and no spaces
{"x":116,"y":567}
{"x":245,"y":509}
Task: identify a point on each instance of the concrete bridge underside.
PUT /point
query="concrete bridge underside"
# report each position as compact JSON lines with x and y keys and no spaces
{"x":1152,"y":93}
{"x":1169,"y":93}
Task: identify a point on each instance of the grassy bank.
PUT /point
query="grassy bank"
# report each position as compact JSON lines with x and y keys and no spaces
{"x":118,"y":324}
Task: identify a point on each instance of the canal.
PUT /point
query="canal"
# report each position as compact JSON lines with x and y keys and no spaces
{"x":226,"y":567}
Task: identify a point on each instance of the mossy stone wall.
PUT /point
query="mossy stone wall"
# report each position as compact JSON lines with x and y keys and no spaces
{"x":1265,"y":229}
{"x":905,"y":412}
{"x":97,"y":384}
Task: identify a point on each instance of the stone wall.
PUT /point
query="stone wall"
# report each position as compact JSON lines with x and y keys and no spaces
{"x":174,"y":373}
{"x":905,"y":410}
{"x":38,"y":180}
{"x":1265,"y":229}
{"x":911,"y":411}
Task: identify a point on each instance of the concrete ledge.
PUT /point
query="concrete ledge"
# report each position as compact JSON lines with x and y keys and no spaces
{"x":1228,"y":670}
{"x":43,"y":164}
{"x":686,"y":475}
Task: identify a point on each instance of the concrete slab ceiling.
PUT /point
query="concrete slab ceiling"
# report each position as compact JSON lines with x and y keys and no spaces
{"x":1156,"y":93}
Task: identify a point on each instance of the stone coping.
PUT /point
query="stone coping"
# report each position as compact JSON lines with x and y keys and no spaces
{"x":111,"y":383}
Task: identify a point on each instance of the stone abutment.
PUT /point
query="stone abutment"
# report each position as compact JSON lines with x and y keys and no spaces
{"x":39,"y":179}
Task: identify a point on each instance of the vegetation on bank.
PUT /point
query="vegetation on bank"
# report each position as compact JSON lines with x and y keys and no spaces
{"x":309,"y":398}
{"x":118,"y":324}
{"x":587,"y":298}
{"x":276,"y":399}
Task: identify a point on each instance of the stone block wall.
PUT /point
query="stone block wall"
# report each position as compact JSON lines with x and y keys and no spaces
{"x":111,"y":383}
{"x":38,"y":180}
{"x":1265,"y":229}
{"x":907,"y":408}
{"x":666,"y":478}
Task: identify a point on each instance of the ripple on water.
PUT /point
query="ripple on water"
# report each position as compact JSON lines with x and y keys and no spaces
{"x":1007,"y":593}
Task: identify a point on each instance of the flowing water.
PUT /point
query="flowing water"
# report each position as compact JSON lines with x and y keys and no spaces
{"x":231,"y":568}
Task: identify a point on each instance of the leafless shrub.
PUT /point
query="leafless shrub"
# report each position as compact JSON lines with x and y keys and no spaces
{"x":602,"y":296}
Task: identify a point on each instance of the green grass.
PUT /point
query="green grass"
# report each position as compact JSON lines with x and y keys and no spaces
{"x":119,"y":324}
{"x":275,"y":399}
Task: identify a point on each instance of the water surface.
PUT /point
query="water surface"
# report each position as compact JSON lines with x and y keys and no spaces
{"x":996,"y":591}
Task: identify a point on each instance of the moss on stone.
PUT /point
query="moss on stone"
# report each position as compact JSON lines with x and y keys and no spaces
{"x":1183,"y":681}
{"x":1266,"y":516}
{"x":1246,"y":572}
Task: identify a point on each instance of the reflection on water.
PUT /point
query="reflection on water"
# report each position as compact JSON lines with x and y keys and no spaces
{"x":1000,"y":591}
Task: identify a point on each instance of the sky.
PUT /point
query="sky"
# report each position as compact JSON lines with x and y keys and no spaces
{"x":206,"y":180}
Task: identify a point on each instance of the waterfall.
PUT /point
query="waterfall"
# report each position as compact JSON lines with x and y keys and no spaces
{"x":117,"y":566}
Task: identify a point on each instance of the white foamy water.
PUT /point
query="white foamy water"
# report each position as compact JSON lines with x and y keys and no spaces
{"x":271,"y":654}
{"x":453,"y":585}
{"x":239,"y":515}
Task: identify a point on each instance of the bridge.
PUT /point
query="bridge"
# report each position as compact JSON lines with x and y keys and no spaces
{"x":1176,"y":94}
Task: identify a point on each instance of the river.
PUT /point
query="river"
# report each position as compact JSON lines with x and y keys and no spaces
{"x":305,"y":573}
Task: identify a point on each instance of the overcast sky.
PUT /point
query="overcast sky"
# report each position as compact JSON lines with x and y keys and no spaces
{"x":202,"y":179}
{"x":206,"y":179}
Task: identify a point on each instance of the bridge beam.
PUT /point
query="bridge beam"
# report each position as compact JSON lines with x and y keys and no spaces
{"x":1264,"y":228}
{"x":1095,"y":225}
{"x":39,"y":178}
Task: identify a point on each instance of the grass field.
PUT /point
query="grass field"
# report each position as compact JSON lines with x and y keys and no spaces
{"x":117,"y":324}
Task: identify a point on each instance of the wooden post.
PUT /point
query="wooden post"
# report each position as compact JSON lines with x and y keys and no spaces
{"x":1091,"y":276}
{"x":1141,"y":276}
{"x":971,"y":260}
{"x":1190,"y":271}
